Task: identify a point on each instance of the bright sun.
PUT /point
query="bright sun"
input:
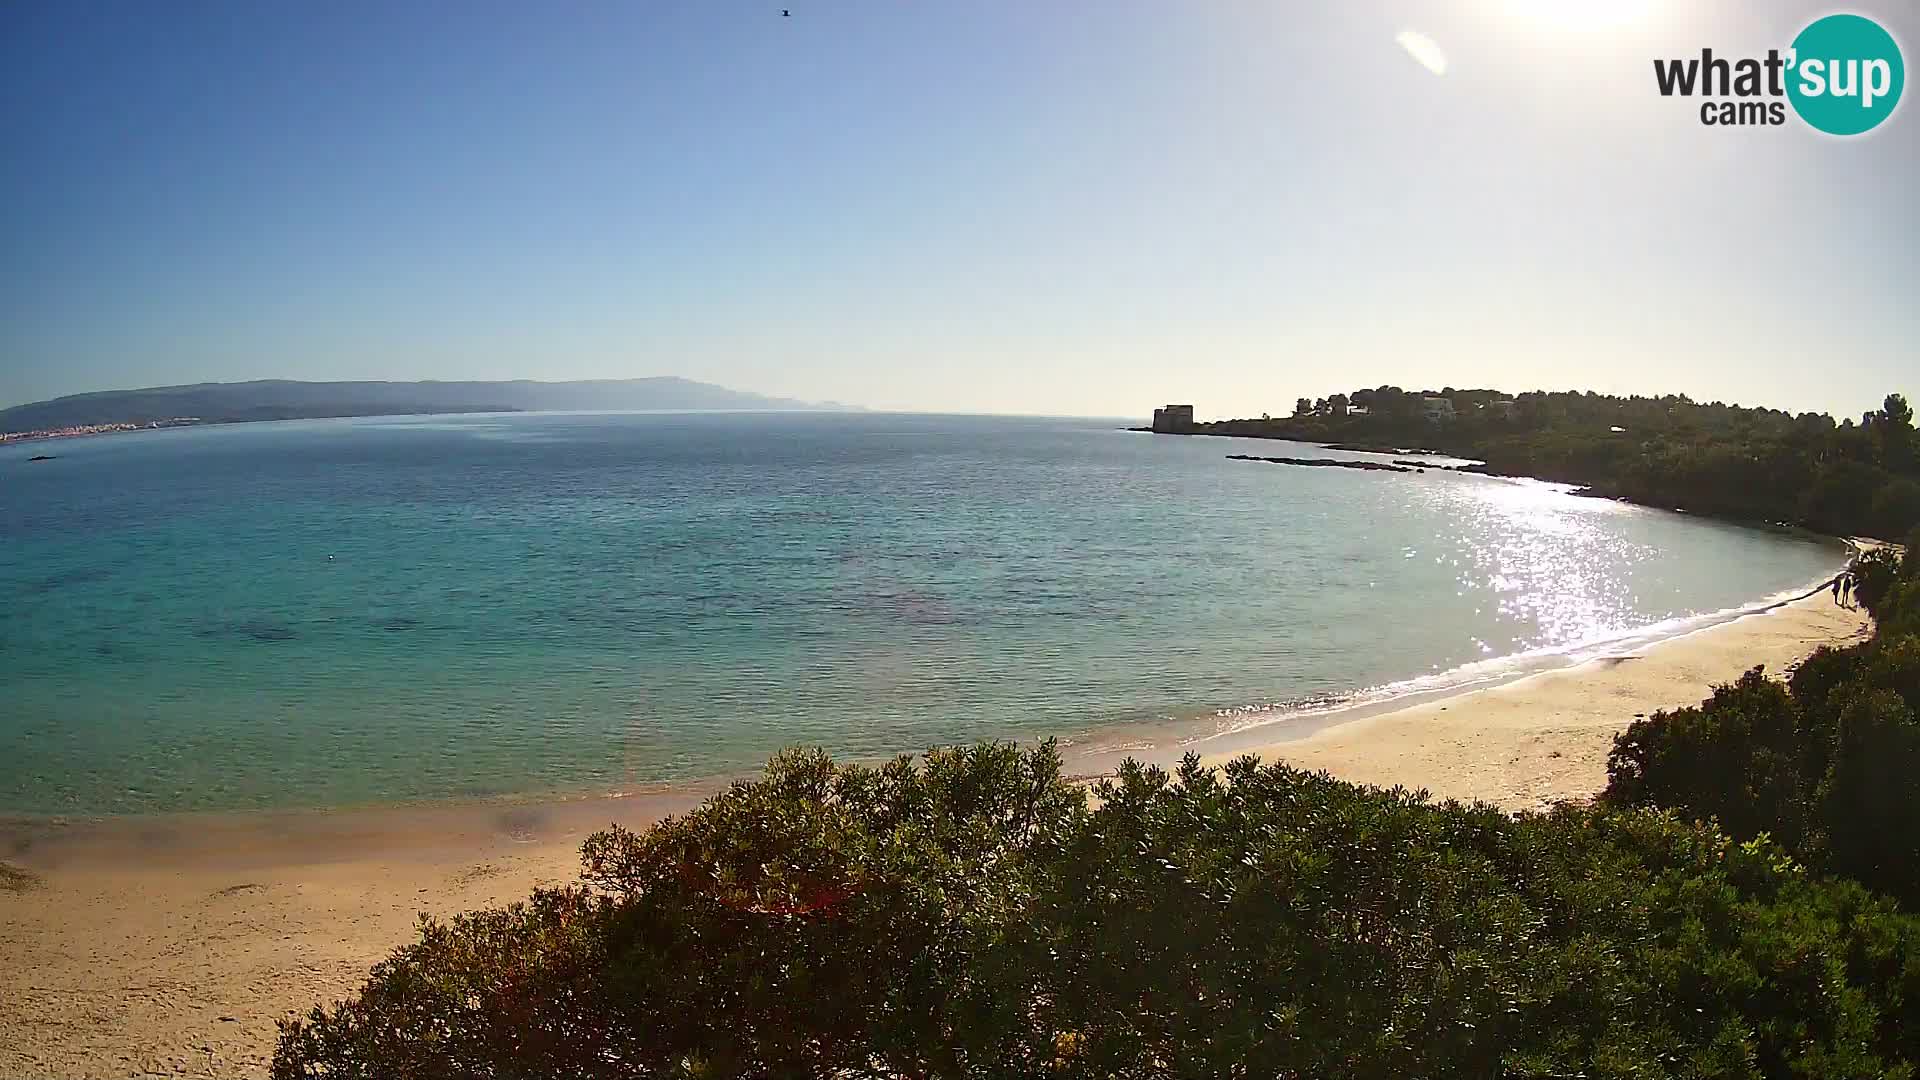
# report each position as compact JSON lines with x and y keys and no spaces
{"x":1579,"y":14}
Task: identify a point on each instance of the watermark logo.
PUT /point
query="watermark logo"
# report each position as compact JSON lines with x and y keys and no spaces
{"x":1843,"y":75}
{"x":1849,"y":74}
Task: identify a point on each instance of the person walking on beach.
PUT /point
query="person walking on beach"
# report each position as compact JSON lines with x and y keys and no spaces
{"x":1846,"y":589}
{"x":1836,"y":587}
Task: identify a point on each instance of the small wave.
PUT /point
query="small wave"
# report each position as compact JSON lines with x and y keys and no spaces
{"x":1118,"y":746}
{"x":1493,"y":671}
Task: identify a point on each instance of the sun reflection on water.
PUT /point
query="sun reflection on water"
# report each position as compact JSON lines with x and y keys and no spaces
{"x":1552,"y":561}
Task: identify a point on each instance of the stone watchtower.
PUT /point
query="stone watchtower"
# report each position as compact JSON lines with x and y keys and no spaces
{"x":1173,"y":419}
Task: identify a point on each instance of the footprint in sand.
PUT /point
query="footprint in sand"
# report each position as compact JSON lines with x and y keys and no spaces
{"x":471,"y":874}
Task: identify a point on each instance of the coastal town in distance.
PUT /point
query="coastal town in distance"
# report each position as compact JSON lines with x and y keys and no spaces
{"x":95,"y":429}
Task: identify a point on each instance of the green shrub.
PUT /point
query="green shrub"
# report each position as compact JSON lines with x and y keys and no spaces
{"x":976,"y":915}
{"x":1818,"y":687}
{"x":1828,"y":764}
{"x":1870,"y":800}
{"x":1737,"y":758}
{"x":1875,"y":574}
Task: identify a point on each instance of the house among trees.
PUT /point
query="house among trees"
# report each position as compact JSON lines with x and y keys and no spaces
{"x":1439,"y":409}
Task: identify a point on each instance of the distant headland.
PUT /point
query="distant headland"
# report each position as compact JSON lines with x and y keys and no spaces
{"x":1750,"y":464}
{"x":278,"y":399}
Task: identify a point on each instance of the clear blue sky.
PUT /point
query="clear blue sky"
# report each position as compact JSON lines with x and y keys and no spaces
{"x":977,"y":206}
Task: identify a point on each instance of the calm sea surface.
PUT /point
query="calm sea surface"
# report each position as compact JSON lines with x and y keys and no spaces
{"x":335,"y":612}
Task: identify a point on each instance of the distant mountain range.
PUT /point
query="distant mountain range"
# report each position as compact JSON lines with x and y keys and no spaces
{"x":277,"y":399}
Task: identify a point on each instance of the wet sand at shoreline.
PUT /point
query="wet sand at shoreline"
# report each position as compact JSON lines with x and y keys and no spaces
{"x":170,"y":945}
{"x":1543,"y":739}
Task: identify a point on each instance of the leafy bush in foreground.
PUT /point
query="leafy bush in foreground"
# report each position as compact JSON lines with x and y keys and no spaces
{"x":976,"y":915}
{"x":1827,"y":764}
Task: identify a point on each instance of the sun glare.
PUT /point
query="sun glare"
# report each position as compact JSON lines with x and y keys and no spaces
{"x":1578,"y":15}
{"x":1424,"y":50}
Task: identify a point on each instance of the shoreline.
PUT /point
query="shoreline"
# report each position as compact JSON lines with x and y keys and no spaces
{"x":1164,"y":742}
{"x":1526,"y":744}
{"x":1472,"y":466}
{"x":255,"y":836}
{"x":171,"y":950}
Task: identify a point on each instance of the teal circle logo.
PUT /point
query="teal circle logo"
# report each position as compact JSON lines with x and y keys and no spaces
{"x":1846,"y":74}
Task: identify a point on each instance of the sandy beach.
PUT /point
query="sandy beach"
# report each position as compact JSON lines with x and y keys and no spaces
{"x":1544,"y":739}
{"x":170,"y":947}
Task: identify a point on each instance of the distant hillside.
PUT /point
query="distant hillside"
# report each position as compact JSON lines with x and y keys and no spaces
{"x":1747,"y":464}
{"x":275,"y":399}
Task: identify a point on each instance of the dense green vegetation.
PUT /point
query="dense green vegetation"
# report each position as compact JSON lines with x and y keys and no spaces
{"x":1756,"y":464}
{"x":1827,"y":764}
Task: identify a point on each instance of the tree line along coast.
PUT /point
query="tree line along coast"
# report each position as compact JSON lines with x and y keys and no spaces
{"x":1842,"y":477}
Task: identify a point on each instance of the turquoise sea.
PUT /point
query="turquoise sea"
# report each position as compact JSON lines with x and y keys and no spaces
{"x":380,"y":610}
